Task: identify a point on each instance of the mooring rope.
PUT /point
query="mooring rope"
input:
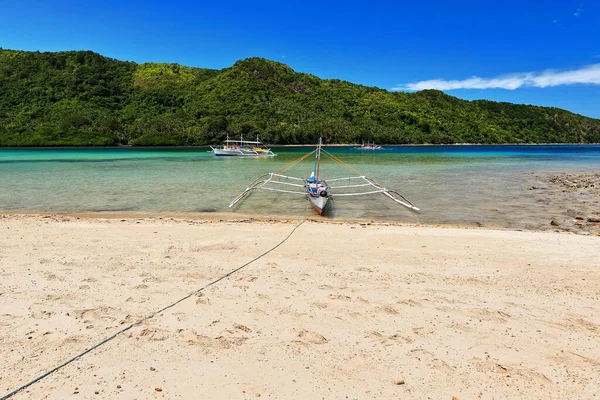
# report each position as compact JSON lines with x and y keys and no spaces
{"x":296,"y":161}
{"x":334,"y":158}
{"x":227,"y":275}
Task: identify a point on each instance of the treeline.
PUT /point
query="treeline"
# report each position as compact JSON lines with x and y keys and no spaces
{"x":80,"y":98}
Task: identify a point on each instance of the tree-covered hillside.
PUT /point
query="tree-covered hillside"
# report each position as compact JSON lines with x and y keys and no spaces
{"x":80,"y":98}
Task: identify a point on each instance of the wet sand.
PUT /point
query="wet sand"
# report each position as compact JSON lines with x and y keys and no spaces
{"x":344,"y":310}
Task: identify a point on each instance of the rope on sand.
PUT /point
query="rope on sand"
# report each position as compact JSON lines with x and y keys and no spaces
{"x":108,"y":339}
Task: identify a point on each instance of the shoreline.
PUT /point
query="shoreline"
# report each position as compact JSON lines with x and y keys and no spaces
{"x":338,"y":310}
{"x":302,"y":146}
{"x":216,"y":218}
{"x":565,"y":202}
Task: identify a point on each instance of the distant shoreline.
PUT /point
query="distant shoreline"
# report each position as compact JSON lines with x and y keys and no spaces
{"x":301,"y":146}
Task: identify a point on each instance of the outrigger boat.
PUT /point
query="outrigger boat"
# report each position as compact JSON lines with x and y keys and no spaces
{"x":317,"y":190}
{"x":371,"y":146}
{"x":242,"y":148}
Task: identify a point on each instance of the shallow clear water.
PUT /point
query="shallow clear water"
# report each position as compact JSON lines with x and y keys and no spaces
{"x":451,"y":184}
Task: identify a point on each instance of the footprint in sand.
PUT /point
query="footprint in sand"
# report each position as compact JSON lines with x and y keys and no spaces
{"x":202,"y":299}
{"x":340,"y":297}
{"x":53,"y":277}
{"x":409,"y":302}
{"x":256,"y":311}
{"x":566,"y":357}
{"x":462,"y":327}
{"x":421,"y":355}
{"x":490,"y":364}
{"x":228,"y":343}
{"x":71,"y":340}
{"x":188,"y":336}
{"x":374,"y":335}
{"x":155,"y":335}
{"x":396,"y":338}
{"x":388,"y":310}
{"x":312,"y":337}
{"x":181,"y":316}
{"x":421,"y":331}
{"x":431,"y":360}
{"x":250,"y":390}
{"x":242,"y":328}
{"x":292,"y":312}
{"x":137,"y":299}
{"x":92,"y":314}
{"x":141,"y":286}
{"x":248,"y":278}
{"x":484,"y":314}
{"x":441,"y":365}
{"x":583,"y":325}
{"x":38,"y":311}
{"x":129,"y":319}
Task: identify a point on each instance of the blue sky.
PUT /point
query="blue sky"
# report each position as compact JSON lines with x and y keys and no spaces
{"x":549,"y":50}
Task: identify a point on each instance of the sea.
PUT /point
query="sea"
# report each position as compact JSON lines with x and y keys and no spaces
{"x":459,"y":184}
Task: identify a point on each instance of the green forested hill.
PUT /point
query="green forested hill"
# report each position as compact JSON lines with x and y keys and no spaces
{"x":82,"y":98}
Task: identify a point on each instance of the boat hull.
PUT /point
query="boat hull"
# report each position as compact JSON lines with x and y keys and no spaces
{"x":241,"y":153}
{"x":318,"y":203}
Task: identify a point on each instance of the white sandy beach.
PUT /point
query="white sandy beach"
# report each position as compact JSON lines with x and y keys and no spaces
{"x":338,"y":311}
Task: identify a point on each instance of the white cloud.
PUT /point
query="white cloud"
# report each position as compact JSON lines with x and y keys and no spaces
{"x":589,"y":75}
{"x":579,"y":11}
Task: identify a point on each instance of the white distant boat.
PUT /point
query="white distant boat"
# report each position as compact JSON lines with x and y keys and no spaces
{"x":242,"y":148}
{"x":316,"y":189}
{"x":368,"y":146}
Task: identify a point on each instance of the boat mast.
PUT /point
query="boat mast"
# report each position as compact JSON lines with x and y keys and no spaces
{"x":318,"y":162}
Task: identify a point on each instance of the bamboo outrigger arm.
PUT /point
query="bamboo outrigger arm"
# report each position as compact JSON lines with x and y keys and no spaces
{"x":378,"y":188}
{"x":394,"y":195}
{"x":402,"y":201}
{"x":257,"y":183}
{"x":260,"y":182}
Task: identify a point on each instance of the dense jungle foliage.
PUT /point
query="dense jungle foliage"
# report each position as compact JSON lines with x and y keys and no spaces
{"x":80,"y":98}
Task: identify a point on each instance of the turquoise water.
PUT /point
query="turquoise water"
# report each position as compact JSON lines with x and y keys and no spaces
{"x":451,"y":184}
